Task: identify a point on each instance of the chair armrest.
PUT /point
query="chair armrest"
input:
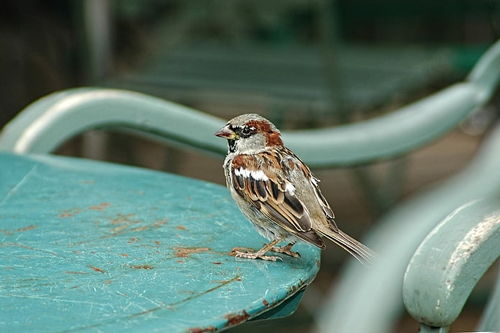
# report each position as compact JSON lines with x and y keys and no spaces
{"x":48,"y":122}
{"x":45,"y":124}
{"x":355,"y":305}
{"x":450,"y":260}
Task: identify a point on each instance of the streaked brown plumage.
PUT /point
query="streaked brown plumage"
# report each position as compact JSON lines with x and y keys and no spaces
{"x":277,"y":192}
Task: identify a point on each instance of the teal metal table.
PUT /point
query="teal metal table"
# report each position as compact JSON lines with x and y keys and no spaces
{"x":91,"y":246}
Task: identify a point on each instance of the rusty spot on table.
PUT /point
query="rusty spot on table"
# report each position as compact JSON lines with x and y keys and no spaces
{"x":293,"y":289}
{"x":124,"y":218}
{"x":101,"y":206}
{"x":119,"y":229}
{"x":217,"y":263}
{"x":23,"y":229}
{"x":30,"y":227}
{"x":141,"y":266}
{"x":181,"y":227}
{"x":265,"y":302}
{"x":157,"y":242}
{"x":184,"y":252}
{"x":124,"y":254}
{"x":141,"y":228}
{"x":75,"y":272}
{"x":69,"y":212}
{"x":125,"y":223}
{"x":159,"y":223}
{"x":133,"y":240}
{"x":97,"y":269}
{"x":202,"y":330}
{"x":236,"y":318}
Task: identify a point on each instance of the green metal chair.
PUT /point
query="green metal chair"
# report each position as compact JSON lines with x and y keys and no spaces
{"x":44,"y":125}
{"x":449,"y":262}
{"x":356,"y":306}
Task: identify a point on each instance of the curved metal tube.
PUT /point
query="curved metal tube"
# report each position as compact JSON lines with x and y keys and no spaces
{"x":46,"y":123}
{"x":450,"y":261}
{"x":368,"y":299}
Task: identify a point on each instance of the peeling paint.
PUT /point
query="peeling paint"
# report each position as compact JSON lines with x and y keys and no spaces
{"x":69,"y":212}
{"x":126,"y":223}
{"x":141,"y":266}
{"x":97,"y":269}
{"x":295,"y":288}
{"x":23,"y":229}
{"x":470,"y":243}
{"x":101,"y":206}
{"x":75,"y":272}
{"x":236,"y":318}
{"x":474,"y":238}
{"x":184,"y":252}
{"x":124,"y":218}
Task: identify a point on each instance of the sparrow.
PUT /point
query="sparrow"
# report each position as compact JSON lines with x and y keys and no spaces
{"x":277,"y":192}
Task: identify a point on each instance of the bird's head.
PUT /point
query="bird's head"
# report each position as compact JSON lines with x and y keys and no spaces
{"x":250,"y":133}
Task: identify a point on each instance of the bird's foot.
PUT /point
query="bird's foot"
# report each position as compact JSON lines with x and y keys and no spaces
{"x":247,"y":253}
{"x":287,"y":249}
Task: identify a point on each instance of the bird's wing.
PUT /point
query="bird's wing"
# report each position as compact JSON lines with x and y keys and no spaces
{"x":325,"y":206}
{"x":260,"y":180}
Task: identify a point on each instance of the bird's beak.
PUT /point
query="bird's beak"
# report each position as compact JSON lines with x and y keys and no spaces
{"x":226,"y":133}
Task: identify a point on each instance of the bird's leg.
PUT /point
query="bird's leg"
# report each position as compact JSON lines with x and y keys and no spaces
{"x":260,"y":254}
{"x":287,"y":249}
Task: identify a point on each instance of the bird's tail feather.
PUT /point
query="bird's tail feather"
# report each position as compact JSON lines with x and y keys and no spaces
{"x":359,"y":251}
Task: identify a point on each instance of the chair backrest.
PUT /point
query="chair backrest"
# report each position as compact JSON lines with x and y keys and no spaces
{"x":46,"y":123}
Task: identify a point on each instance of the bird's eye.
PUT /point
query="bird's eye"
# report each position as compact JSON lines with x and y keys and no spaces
{"x":246,"y":131}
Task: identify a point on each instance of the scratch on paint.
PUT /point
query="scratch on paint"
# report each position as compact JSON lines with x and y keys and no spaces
{"x":23,"y":229}
{"x":27,"y":247}
{"x":18,"y":185}
{"x":184,"y":252}
{"x":158,"y":308}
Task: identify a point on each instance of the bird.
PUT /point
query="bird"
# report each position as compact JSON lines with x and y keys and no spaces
{"x":278,"y":193}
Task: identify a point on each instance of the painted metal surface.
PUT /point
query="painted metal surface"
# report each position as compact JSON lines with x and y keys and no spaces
{"x":48,"y":122}
{"x":450,"y":260}
{"x":53,"y":119}
{"x":395,"y":240}
{"x":90,"y":246}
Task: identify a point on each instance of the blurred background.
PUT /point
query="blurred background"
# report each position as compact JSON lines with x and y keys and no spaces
{"x":300,"y":63}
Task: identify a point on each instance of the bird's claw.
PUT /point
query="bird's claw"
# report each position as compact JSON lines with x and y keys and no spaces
{"x":287,"y":249}
{"x":250,"y":254}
